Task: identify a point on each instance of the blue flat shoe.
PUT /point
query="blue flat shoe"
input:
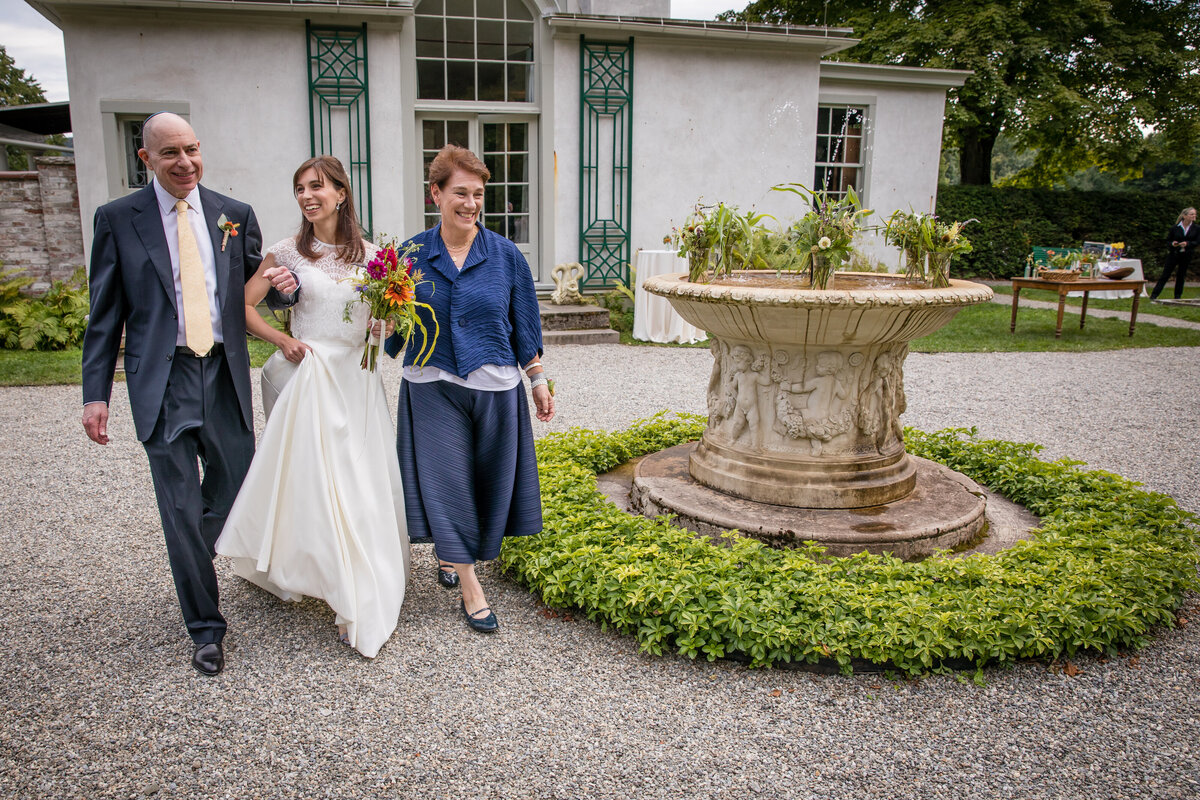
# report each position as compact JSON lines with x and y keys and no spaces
{"x":447,"y":576}
{"x":487,"y":624}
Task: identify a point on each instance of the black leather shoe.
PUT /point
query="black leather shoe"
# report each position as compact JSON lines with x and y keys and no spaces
{"x":208,"y":658}
{"x":447,"y":577}
{"x":488,"y":624}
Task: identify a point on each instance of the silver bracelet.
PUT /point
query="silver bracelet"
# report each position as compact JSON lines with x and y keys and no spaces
{"x":540,"y":380}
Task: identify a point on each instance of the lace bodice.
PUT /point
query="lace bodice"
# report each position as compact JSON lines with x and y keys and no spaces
{"x":327,"y":286}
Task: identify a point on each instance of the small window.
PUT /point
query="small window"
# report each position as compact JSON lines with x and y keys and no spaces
{"x":131,"y":135}
{"x":474,"y":50}
{"x":841,"y":151}
{"x":121,"y":122}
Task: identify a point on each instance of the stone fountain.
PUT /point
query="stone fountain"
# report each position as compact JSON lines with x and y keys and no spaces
{"x":804,"y":440}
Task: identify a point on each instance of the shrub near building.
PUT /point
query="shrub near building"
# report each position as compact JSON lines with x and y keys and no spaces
{"x":53,"y":321}
{"x":1012,"y":221}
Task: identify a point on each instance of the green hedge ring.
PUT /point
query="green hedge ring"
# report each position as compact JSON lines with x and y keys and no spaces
{"x":1110,"y":563}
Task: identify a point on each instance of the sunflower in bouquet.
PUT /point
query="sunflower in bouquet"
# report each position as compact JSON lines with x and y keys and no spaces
{"x":388,"y":285}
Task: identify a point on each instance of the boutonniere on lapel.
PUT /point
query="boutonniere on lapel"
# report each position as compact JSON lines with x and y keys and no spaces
{"x":230,"y":229}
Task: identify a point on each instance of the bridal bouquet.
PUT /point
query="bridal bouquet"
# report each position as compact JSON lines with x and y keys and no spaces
{"x":388,"y":286}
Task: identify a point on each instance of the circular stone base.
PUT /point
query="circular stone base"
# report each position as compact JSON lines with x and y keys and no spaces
{"x":944,"y":509}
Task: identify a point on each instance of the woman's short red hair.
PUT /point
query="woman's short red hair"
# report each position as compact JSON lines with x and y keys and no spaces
{"x":451,"y":158}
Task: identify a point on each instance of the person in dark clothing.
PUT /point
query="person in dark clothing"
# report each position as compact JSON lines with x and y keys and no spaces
{"x":1183,"y":239}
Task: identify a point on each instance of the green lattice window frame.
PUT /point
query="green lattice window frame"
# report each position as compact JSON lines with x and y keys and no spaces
{"x":337,"y":80}
{"x":605,"y":114}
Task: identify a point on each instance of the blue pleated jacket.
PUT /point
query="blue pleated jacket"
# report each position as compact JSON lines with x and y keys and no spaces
{"x":487,"y":312}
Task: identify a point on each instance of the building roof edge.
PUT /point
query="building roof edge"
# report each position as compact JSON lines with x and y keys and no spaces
{"x":894,"y":73}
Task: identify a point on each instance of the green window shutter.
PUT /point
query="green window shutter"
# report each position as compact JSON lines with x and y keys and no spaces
{"x":605,"y":156}
{"x":337,"y":79}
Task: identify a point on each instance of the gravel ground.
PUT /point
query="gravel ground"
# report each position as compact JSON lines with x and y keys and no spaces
{"x":98,"y":699}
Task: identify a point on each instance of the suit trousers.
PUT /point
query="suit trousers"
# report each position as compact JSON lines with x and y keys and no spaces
{"x":1179,"y":263}
{"x":199,"y":452}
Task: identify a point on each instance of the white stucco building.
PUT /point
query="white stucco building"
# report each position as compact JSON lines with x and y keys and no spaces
{"x":602,"y":122}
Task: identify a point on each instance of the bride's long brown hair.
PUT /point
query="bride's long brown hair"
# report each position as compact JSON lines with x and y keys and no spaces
{"x":349,"y":232}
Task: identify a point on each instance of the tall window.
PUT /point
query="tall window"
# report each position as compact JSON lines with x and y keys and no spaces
{"x":474,"y":50}
{"x":131,"y":137}
{"x":506,"y":154}
{"x":436,"y":134}
{"x":841,"y":133}
{"x":507,"y":199}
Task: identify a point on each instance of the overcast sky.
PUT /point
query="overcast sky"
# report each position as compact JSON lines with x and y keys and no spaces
{"x":37,"y":46}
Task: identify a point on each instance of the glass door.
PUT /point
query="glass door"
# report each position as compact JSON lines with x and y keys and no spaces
{"x":506,"y":146}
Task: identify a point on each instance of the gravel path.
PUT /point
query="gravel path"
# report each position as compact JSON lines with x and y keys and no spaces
{"x":98,"y":699}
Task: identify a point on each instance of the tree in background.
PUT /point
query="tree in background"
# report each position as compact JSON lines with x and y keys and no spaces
{"x":1075,"y":82}
{"x":17,"y":89}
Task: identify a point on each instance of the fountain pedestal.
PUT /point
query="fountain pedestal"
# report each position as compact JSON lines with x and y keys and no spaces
{"x":807,"y":387}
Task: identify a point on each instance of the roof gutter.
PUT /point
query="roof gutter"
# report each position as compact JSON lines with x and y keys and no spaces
{"x":825,"y":41}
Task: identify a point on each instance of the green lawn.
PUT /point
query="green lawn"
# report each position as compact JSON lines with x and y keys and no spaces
{"x":1144,"y":306}
{"x":35,"y":368}
{"x":984,"y":329}
{"x":38,"y":368}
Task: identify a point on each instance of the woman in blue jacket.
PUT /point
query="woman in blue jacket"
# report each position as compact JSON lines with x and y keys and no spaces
{"x":463,"y":434}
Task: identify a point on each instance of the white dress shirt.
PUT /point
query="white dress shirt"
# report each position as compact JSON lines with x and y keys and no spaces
{"x":166,"y":208}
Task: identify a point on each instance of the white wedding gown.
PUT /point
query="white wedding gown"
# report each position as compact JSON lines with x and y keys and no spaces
{"x":321,"y":511}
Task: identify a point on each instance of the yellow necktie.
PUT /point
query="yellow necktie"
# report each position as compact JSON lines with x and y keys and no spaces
{"x":197,"y":319}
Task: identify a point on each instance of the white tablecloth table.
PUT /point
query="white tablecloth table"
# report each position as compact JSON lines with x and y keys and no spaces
{"x":653,"y":318}
{"x":1116,"y":293}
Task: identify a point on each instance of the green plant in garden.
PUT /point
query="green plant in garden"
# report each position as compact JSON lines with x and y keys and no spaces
{"x":619,"y":302}
{"x":54,"y":321}
{"x":1013,"y":221}
{"x":1110,"y":564}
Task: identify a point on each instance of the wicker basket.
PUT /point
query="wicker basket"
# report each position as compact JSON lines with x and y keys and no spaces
{"x":1059,"y":275}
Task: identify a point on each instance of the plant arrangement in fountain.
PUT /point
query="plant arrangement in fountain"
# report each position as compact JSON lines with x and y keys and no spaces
{"x":824,"y":237}
{"x":716,"y":240}
{"x":693,"y":240}
{"x":908,"y":231}
{"x":927,"y":243}
{"x":722,"y":239}
{"x":945,"y":242}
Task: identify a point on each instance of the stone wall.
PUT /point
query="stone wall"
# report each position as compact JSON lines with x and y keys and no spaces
{"x":40,"y":230}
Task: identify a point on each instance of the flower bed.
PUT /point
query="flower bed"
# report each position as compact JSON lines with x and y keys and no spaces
{"x":1110,"y":562}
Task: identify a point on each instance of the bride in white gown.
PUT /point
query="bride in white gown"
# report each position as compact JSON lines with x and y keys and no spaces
{"x":321,"y":511}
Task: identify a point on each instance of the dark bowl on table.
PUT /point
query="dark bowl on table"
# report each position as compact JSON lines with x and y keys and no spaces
{"x":1118,"y":273}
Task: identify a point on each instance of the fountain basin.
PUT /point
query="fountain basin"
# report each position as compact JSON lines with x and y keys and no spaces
{"x":806,"y":392}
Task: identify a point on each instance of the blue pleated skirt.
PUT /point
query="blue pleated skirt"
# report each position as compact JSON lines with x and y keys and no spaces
{"x":468,"y":468}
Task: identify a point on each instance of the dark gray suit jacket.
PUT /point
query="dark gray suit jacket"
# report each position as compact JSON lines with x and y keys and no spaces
{"x":132,"y":287}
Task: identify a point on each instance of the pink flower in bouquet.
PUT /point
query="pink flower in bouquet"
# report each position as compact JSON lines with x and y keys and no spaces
{"x":377,"y":267}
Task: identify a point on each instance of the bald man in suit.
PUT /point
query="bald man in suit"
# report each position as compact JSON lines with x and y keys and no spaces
{"x":188,"y":379}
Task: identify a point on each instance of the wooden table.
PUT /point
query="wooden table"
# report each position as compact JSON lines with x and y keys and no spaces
{"x":1085,"y":285}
